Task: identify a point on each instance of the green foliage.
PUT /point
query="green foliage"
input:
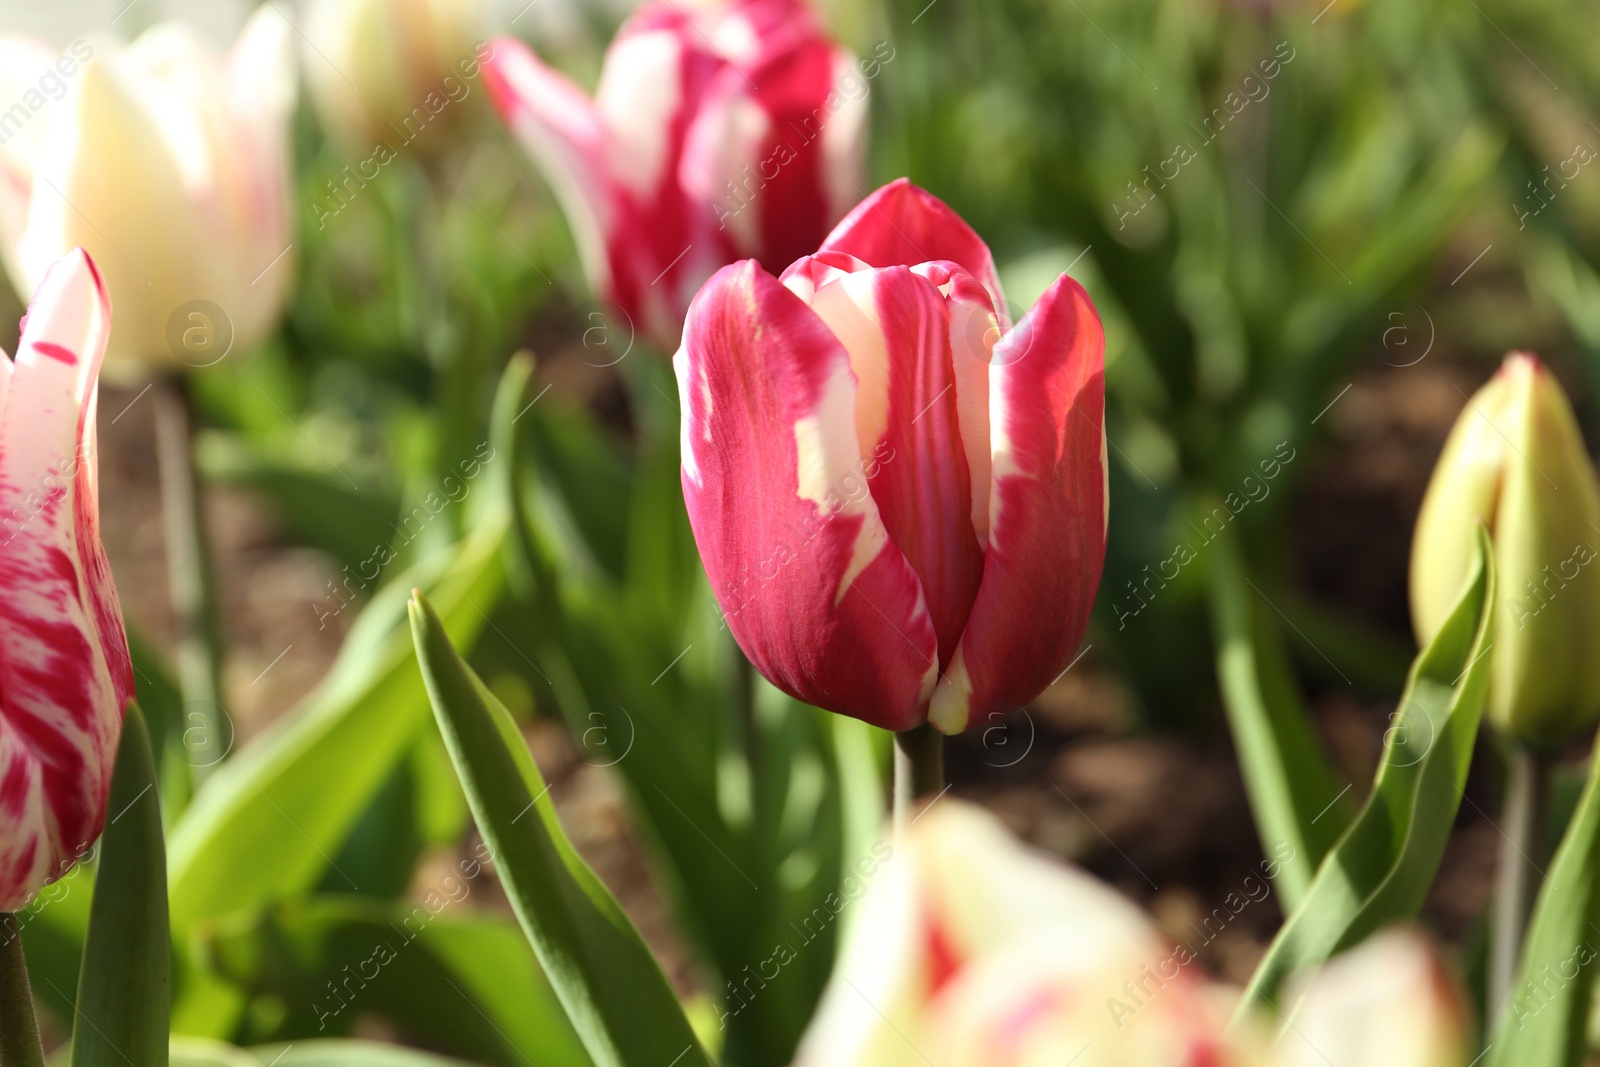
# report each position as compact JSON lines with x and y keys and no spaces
{"x":1547,"y":1020}
{"x":1381,"y":869}
{"x":1292,"y":789}
{"x":612,"y":988}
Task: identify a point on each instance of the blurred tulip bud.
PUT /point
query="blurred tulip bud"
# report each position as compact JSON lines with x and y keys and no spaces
{"x":382,"y":69}
{"x":171,"y":165}
{"x":970,"y":950}
{"x":1388,"y":1001}
{"x":899,"y":496}
{"x":721,"y":130}
{"x":65,"y":676}
{"x":1516,"y":462}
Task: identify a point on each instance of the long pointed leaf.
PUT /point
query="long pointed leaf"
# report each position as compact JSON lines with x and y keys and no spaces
{"x":1291,"y":787}
{"x":1381,"y":869}
{"x":125,"y":985}
{"x":612,"y":988}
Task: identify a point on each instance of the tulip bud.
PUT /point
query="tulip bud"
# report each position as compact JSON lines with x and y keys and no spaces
{"x":1516,"y":462}
{"x":899,"y":497}
{"x":65,"y":675}
{"x":383,"y":71}
{"x":720,"y":130}
{"x":1388,"y":1001}
{"x":171,"y":165}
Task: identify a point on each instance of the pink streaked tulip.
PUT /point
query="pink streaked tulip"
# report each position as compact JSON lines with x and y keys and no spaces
{"x":899,"y":496}
{"x":970,"y":950}
{"x":721,"y":130}
{"x":65,"y":676}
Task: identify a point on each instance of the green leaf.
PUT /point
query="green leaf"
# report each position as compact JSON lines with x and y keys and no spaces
{"x":1380,"y":870}
{"x":266,"y":822}
{"x":1546,"y":1022}
{"x":1293,"y":793}
{"x":612,"y":988}
{"x":459,"y":981}
{"x":125,"y":985}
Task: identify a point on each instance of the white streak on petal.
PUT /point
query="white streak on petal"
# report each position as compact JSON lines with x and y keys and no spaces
{"x":820,"y":474}
{"x":639,"y":96}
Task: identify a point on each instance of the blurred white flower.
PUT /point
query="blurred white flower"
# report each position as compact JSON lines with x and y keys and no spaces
{"x":170,"y":163}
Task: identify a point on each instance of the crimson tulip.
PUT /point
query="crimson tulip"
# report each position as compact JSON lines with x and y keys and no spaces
{"x":719,"y":131}
{"x":65,"y":675}
{"x":900,"y":497}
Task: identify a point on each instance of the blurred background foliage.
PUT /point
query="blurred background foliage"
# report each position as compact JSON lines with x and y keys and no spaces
{"x":1266,"y":200}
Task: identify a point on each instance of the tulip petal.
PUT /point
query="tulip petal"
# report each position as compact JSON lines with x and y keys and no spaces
{"x":65,"y":675}
{"x":895,"y":326}
{"x":903,"y":225}
{"x":818,"y":597}
{"x":561,"y":128}
{"x":1047,"y":511}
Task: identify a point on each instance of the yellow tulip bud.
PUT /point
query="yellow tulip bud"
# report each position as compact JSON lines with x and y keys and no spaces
{"x":1516,"y":462}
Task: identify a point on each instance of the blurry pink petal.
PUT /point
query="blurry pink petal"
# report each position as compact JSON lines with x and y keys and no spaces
{"x":1047,"y":512}
{"x":65,"y":676}
{"x":560,"y":128}
{"x":825,"y":606}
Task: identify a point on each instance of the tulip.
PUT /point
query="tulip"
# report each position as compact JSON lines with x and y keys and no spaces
{"x":171,"y":165}
{"x":373,"y":64}
{"x":65,"y":676}
{"x":899,"y":497}
{"x":967,"y":949}
{"x":1388,"y":1001}
{"x":723,"y":130}
{"x":1516,"y":462}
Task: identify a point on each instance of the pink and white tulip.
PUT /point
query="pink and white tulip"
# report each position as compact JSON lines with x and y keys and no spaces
{"x":171,"y":165}
{"x":968,"y":949}
{"x":971,"y":950}
{"x":900,"y":497}
{"x":720,"y":131}
{"x":65,"y":676}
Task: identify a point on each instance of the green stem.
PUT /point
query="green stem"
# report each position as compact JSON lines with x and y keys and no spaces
{"x":19,"y":1030}
{"x":1523,"y":830}
{"x":190,"y":576}
{"x":918,"y":769}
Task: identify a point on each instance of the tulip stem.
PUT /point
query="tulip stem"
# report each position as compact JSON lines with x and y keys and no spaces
{"x":190,"y":576}
{"x":918,"y":770}
{"x":19,"y":1029}
{"x":1522,"y":854}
